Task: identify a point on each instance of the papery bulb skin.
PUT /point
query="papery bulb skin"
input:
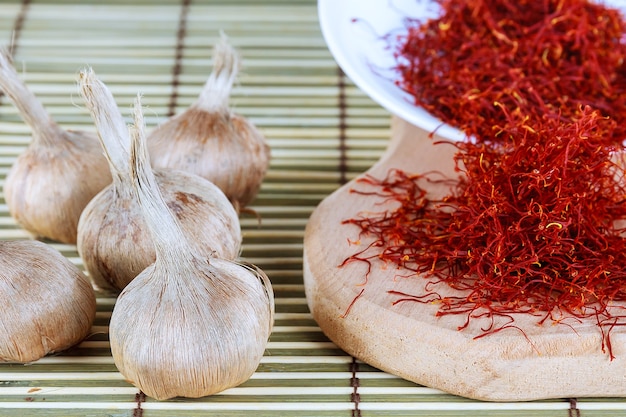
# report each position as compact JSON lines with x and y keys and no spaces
{"x":224,"y":148}
{"x":48,"y":186}
{"x":115,"y":244}
{"x":192,"y":337}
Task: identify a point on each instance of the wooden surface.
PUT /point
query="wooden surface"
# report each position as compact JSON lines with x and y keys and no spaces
{"x":528,"y":362}
{"x":322,"y":130}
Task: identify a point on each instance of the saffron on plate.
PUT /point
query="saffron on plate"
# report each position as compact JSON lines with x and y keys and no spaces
{"x":546,"y":56}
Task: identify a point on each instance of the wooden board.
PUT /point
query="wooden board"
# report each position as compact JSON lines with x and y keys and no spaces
{"x":407,"y":339}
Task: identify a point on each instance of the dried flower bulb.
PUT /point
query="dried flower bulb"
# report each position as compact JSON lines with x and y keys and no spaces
{"x":189,"y":325}
{"x":113,"y":240}
{"x":52,"y":181}
{"x":212,"y":141}
{"x":48,"y":305}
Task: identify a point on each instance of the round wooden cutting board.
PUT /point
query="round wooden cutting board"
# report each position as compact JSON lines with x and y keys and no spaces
{"x":525,"y":362}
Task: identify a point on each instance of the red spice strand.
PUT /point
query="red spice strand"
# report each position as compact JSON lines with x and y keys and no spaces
{"x":533,"y":56}
{"x":532,"y":227}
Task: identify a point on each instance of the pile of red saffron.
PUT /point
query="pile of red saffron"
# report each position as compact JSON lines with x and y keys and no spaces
{"x":541,"y":56}
{"x":537,"y":223}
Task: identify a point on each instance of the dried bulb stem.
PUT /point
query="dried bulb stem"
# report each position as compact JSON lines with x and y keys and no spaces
{"x":216,"y":91}
{"x":31,"y":110}
{"x":169,"y":240}
{"x":112,"y":130}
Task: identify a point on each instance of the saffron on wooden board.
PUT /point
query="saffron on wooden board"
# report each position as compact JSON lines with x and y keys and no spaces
{"x":537,"y":222}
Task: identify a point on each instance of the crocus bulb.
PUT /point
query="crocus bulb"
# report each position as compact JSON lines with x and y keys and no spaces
{"x":190,"y":324}
{"x":48,"y":304}
{"x":60,"y":171}
{"x":211,"y":140}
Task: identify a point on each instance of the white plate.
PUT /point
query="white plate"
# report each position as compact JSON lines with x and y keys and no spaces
{"x":366,"y":59}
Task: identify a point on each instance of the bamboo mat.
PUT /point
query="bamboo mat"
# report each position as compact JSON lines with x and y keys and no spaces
{"x":322,"y":130}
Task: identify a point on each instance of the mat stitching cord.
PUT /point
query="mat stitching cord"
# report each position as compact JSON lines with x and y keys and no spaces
{"x":343,"y":163}
{"x":17,"y":27}
{"x":140,"y":397}
{"x":354,"y":382}
{"x":573,"y":409}
{"x":178,"y":58}
{"x":16,"y":32}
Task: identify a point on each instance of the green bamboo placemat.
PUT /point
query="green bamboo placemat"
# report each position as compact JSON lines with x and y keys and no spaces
{"x":322,"y":131}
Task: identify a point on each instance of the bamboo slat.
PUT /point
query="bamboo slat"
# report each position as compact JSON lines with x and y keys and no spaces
{"x":322,"y":130}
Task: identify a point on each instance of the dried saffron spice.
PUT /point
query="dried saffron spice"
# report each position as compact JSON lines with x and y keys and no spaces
{"x":538,"y":56}
{"x":535,"y":224}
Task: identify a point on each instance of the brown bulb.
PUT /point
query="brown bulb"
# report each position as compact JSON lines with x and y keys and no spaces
{"x":190,"y":324}
{"x":210,"y":140}
{"x":48,"y":305}
{"x":52,"y":181}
